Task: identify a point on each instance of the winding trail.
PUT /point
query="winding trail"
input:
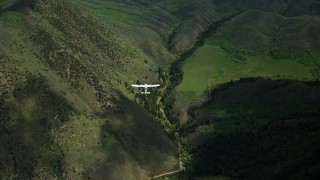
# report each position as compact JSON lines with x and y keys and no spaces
{"x":181,"y":168}
{"x":165,"y":174}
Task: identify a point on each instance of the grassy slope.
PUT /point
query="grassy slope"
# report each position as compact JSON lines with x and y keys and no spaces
{"x":211,"y":64}
{"x":198,"y":15}
{"x":144,"y":26}
{"x":161,"y":17}
{"x":267,"y":37}
{"x":284,"y":7}
{"x":126,"y":146}
{"x":75,"y":67}
{"x":193,"y":18}
{"x":294,"y":36}
{"x":239,"y":139}
{"x":257,"y":129}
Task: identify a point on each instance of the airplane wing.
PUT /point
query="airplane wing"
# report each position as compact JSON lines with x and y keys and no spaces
{"x":136,"y":85}
{"x":152,"y":85}
{"x":145,"y":85}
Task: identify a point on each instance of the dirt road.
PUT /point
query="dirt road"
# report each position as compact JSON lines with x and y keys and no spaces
{"x":181,"y":168}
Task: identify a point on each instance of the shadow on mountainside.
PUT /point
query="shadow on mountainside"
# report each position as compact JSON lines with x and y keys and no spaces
{"x":28,"y":119}
{"x":258,"y":128}
{"x":140,"y":139}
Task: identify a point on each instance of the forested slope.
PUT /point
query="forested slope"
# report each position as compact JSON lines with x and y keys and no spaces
{"x":256,"y":129}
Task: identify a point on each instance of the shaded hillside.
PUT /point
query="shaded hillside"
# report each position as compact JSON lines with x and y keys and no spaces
{"x":27,"y":130}
{"x":5,"y":4}
{"x":14,"y":4}
{"x":257,"y":129}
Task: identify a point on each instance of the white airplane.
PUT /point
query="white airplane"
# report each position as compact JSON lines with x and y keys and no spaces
{"x":145,"y":86}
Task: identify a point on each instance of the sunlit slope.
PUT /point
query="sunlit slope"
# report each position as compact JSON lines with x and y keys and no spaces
{"x":65,"y":109}
{"x":167,"y":26}
{"x":196,"y":16}
{"x":211,"y":65}
{"x":144,"y":26}
{"x":294,"y":36}
{"x":282,"y":7}
{"x":281,"y":37}
{"x":177,"y":24}
{"x":268,"y":45}
{"x":90,"y":44}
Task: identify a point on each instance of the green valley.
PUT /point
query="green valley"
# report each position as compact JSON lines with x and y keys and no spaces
{"x":211,"y":66}
{"x":238,"y":96}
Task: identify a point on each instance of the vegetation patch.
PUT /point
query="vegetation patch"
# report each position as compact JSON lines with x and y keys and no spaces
{"x":102,"y":9}
{"x":211,"y":65}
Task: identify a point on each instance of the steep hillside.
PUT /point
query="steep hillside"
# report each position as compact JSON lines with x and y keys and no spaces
{"x":268,"y":45}
{"x":174,"y":25}
{"x":66,"y":110}
{"x":294,"y":38}
{"x":261,"y":128}
{"x":257,"y":129}
{"x":296,"y":35}
{"x":212,"y":65}
{"x":197,"y":16}
{"x":144,"y":26}
{"x":177,"y":24}
{"x":282,"y":7}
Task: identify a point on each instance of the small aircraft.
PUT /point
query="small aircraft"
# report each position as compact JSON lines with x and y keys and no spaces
{"x":145,"y":86}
